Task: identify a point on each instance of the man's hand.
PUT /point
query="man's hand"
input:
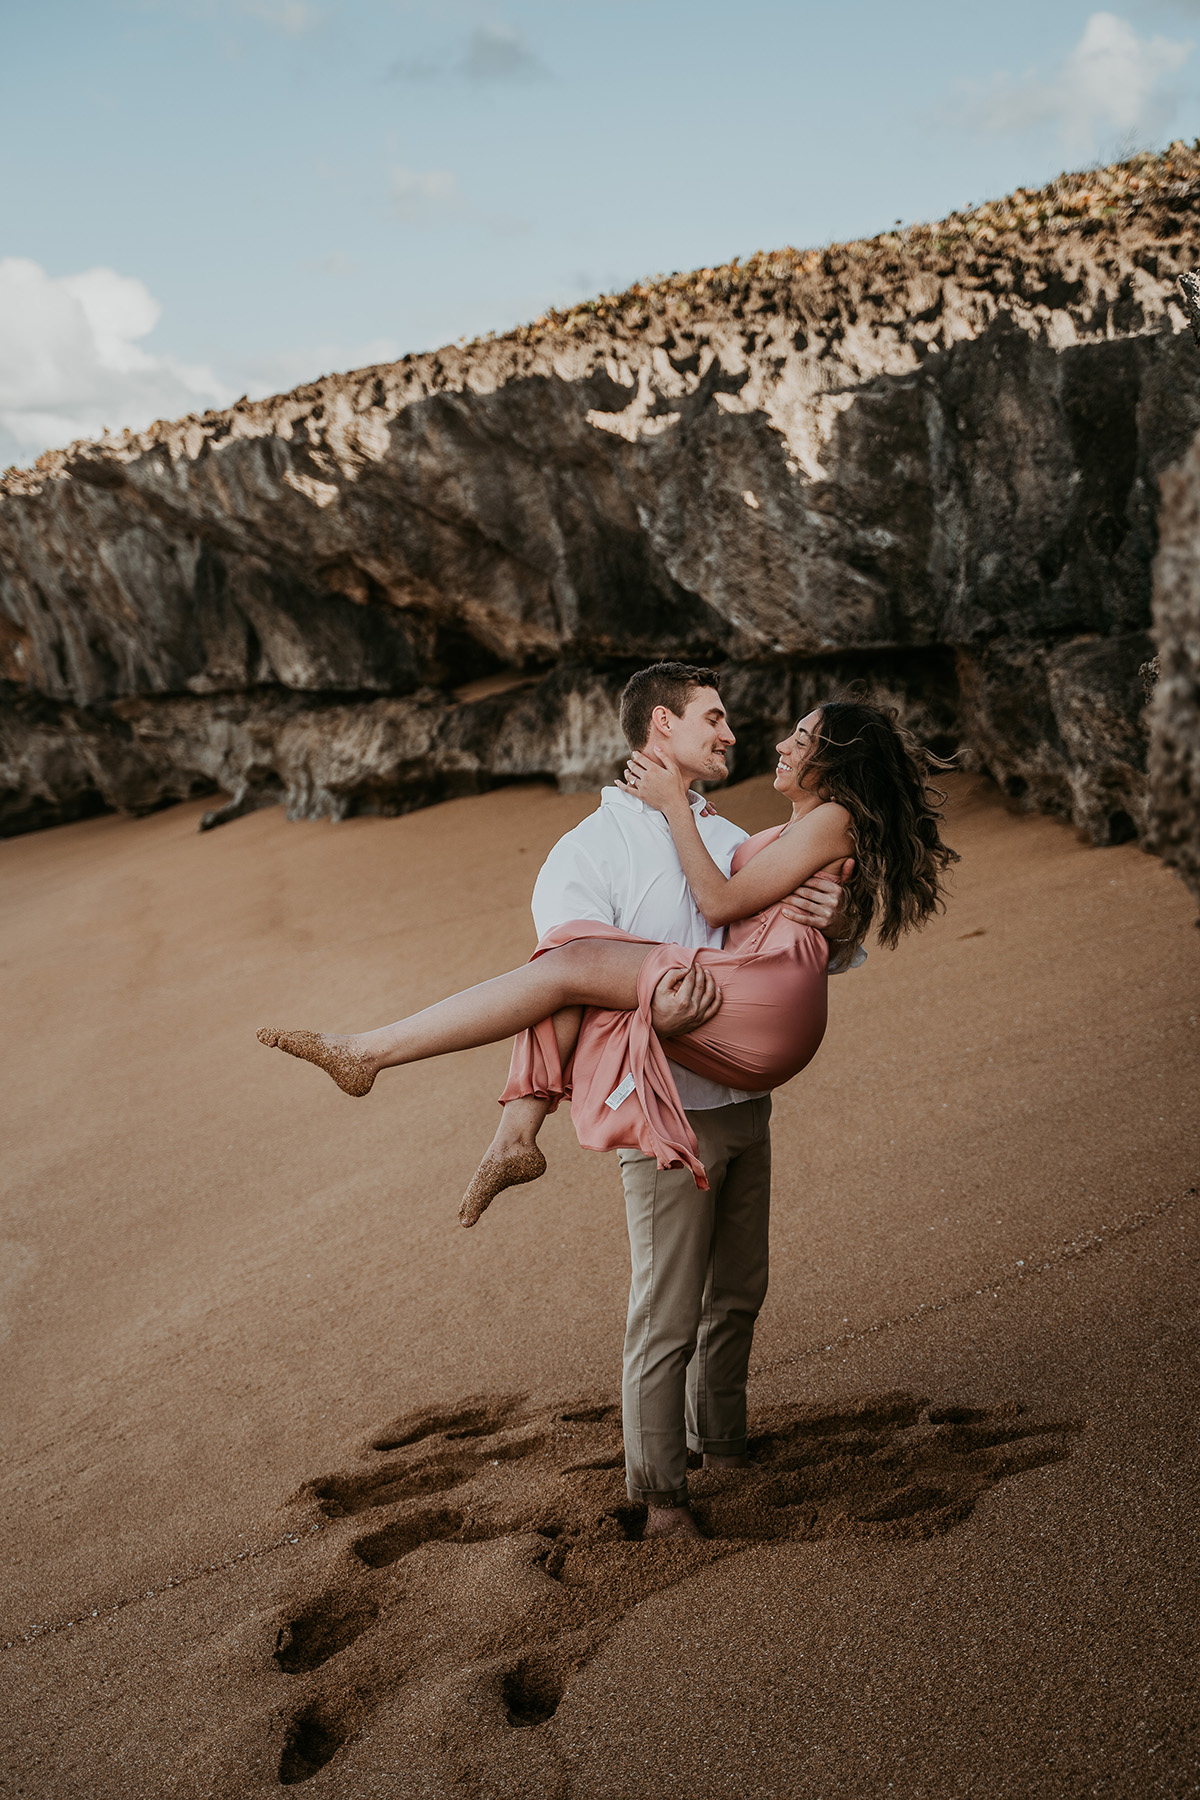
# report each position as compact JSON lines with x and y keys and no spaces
{"x":684,"y":1000}
{"x":819,"y":902}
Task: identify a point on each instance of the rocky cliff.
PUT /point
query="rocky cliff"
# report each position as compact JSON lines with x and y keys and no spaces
{"x":1175,"y":709}
{"x":929,"y":462}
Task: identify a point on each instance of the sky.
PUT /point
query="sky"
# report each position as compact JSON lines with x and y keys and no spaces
{"x":205,"y":198}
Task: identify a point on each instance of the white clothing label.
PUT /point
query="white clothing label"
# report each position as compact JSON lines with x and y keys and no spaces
{"x":621,"y":1093}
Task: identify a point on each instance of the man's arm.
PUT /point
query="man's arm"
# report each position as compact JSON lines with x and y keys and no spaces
{"x":819,"y":903}
{"x":571,"y":885}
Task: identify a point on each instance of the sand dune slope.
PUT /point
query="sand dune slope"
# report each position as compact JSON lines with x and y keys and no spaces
{"x":307,"y":1487}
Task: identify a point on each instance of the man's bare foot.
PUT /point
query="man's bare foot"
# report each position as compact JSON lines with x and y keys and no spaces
{"x":353,"y":1071}
{"x":671,"y":1521}
{"x":505,"y":1167}
{"x":742,"y":1461}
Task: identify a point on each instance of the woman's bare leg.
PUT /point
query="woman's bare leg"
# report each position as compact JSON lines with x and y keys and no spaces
{"x":589,"y":972}
{"x":513,"y":1156}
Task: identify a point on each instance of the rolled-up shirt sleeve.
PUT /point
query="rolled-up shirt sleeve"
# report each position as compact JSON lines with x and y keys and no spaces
{"x":855,"y":962}
{"x":571,"y":886}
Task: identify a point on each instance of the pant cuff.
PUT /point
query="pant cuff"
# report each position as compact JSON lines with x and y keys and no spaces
{"x":710,"y":1446}
{"x":656,"y":1497}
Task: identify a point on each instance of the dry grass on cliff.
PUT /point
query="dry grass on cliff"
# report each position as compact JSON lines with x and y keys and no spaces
{"x":1088,"y":202}
{"x":1158,"y":191}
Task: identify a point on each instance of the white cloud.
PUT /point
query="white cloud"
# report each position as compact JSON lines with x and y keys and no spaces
{"x":71,"y":365}
{"x":498,"y":53}
{"x":337,"y":264}
{"x":492,"y":53}
{"x":1112,"y":88}
{"x":419,"y":195}
{"x":292,"y":16}
{"x":435,"y":197}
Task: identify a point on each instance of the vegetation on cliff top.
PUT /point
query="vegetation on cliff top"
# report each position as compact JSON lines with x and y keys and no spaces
{"x":1159,"y":188}
{"x":1086,"y":201}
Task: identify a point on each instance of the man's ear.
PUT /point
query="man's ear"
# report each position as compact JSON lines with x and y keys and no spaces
{"x":661,"y":719}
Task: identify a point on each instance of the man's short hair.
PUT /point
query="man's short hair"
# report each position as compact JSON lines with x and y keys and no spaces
{"x":668,"y":684}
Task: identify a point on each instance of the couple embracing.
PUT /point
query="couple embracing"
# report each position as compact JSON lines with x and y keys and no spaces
{"x":680,"y":975}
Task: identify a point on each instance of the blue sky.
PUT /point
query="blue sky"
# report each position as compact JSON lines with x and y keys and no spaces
{"x":210,"y":197}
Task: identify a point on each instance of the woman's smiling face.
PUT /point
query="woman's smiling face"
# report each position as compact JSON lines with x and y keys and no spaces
{"x":794,"y":752}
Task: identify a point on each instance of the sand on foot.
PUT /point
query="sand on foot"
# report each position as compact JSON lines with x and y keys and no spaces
{"x":497,"y":1171}
{"x":353,"y":1072}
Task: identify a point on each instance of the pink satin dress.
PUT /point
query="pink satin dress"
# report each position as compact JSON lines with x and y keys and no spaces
{"x":773,"y":977}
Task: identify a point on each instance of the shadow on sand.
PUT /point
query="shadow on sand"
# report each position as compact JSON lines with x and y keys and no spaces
{"x":472,"y":1560}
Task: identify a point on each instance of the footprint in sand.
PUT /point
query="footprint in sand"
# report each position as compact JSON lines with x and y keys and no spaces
{"x":472,"y":1559}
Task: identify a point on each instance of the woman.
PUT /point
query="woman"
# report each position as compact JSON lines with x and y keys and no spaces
{"x":857,"y":787}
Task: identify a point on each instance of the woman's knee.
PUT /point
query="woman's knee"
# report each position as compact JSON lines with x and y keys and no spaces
{"x":574,"y":967}
{"x":595,"y":972}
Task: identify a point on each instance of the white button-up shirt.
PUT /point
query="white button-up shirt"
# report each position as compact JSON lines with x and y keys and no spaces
{"x":621,"y":867}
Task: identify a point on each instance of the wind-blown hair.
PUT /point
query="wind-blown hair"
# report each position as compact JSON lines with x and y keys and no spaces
{"x":866,"y":761}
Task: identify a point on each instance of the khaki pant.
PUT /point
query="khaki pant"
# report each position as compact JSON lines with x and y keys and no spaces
{"x":699,"y":1279}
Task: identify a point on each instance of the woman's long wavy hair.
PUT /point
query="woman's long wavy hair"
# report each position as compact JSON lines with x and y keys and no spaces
{"x":866,"y":761}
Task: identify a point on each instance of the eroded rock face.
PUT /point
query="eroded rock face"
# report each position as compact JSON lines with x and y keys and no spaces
{"x":1175,"y":709}
{"x":932,"y":466}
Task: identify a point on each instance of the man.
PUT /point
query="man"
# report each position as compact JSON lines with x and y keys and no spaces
{"x":699,"y":1260}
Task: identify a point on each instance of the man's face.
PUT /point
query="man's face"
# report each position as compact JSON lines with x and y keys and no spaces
{"x":697,"y":741}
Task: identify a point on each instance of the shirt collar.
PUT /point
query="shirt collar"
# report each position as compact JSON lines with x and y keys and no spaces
{"x":615,"y":796}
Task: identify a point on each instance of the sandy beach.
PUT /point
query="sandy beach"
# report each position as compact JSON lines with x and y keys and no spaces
{"x":306,"y":1486}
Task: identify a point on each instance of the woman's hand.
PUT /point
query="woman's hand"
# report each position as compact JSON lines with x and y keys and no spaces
{"x":654,"y":783}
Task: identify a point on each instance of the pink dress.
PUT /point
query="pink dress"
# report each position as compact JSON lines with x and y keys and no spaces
{"x":772,"y":976}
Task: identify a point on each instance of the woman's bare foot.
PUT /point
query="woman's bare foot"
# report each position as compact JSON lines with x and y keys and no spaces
{"x":352,"y":1069}
{"x":504,"y":1166}
{"x":671,"y":1521}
